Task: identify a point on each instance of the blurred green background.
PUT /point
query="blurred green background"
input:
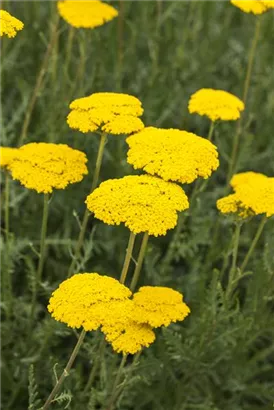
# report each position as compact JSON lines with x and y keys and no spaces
{"x":221,"y":357}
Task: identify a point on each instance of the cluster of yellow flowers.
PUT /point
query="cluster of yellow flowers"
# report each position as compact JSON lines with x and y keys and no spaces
{"x":254,"y":195}
{"x":86,"y":14}
{"x":172,"y":154}
{"x":113,"y":113}
{"x":44,"y":166}
{"x":216,"y":104}
{"x":92,"y":301}
{"x":144,"y":203}
{"x":9,"y":25}
{"x":254,"y":6}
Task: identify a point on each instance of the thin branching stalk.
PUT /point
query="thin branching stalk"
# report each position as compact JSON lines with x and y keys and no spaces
{"x":236,"y":138}
{"x":98,"y":359}
{"x":39,"y":81}
{"x":43,"y":237}
{"x":95,"y":180}
{"x":253,"y":243}
{"x":233,"y":269}
{"x":139,"y":262}
{"x":211,"y":130}
{"x":66,"y":371}
{"x":128,"y":257}
{"x":116,"y":383}
{"x":7,"y":206}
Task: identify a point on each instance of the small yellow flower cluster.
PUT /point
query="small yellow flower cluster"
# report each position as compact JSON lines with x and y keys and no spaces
{"x":253,"y":6}
{"x":9,"y":25}
{"x":254,"y":195}
{"x":44,"y":166}
{"x":215,"y":104}
{"x":86,"y":14}
{"x":92,"y":301}
{"x":144,"y":203}
{"x":114,"y":113}
{"x":172,"y":154}
{"x":7,"y":155}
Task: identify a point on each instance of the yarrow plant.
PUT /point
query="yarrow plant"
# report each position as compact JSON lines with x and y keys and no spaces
{"x":9,"y":25}
{"x":256,"y":7}
{"x":86,"y":14}
{"x":172,"y":154}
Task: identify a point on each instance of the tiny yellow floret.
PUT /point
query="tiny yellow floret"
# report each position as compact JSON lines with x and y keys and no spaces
{"x":113,"y":113}
{"x":86,"y":14}
{"x":9,"y":25}
{"x":172,"y":154}
{"x":159,"y":306}
{"x":7,"y":155}
{"x":143,"y":203}
{"x":45,"y":166}
{"x":253,"y":6}
{"x":215,"y":104}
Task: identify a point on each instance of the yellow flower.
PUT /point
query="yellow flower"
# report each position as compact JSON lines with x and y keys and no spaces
{"x":158,"y":306}
{"x":9,"y":25}
{"x":7,"y":155}
{"x":253,"y":6}
{"x":215,"y":104}
{"x":86,"y":14}
{"x":87,"y":299}
{"x":43,"y":166}
{"x":114,"y":113}
{"x":254,"y":195}
{"x":144,"y":203}
{"x":172,"y":154}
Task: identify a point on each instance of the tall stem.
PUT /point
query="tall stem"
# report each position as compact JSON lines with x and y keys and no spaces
{"x":253,"y":243}
{"x":116,"y":383}
{"x":233,"y":269}
{"x":128,"y":256}
{"x":66,"y":371}
{"x":211,"y":130}
{"x":43,"y":237}
{"x":98,"y":359}
{"x":235,"y":144}
{"x":39,"y":81}
{"x":82,"y":232}
{"x":139,"y":263}
{"x":7,"y":206}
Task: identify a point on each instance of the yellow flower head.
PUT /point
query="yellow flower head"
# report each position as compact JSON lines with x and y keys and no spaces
{"x":44,"y":166}
{"x":253,"y":6}
{"x":7,"y":155}
{"x":172,"y":154}
{"x":159,"y":306}
{"x":113,"y":113}
{"x":254,"y":195}
{"x":215,"y":104}
{"x":87,"y":299}
{"x":86,"y":14}
{"x":143,"y":203}
{"x":9,"y":25}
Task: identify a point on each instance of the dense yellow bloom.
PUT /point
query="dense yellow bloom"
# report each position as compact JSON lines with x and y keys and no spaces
{"x":7,"y":155}
{"x":253,"y":6}
{"x":144,"y":203}
{"x":254,"y":195}
{"x":113,"y":113}
{"x":215,"y":104}
{"x":43,"y":166}
{"x":86,"y":299}
{"x":9,"y":25}
{"x":86,"y":14}
{"x":159,"y":306}
{"x":172,"y":154}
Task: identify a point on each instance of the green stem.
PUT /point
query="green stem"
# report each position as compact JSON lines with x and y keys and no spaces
{"x":233,"y":269}
{"x":254,"y":243}
{"x":95,"y":180}
{"x":139,"y":263}
{"x":43,"y":237}
{"x":68,"y":51}
{"x":98,"y":359}
{"x":7,"y":206}
{"x":171,"y":247}
{"x":211,"y":130}
{"x":39,"y":82}
{"x":66,"y":371}
{"x":116,"y":383}
{"x":236,"y":138}
{"x":128,"y":257}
